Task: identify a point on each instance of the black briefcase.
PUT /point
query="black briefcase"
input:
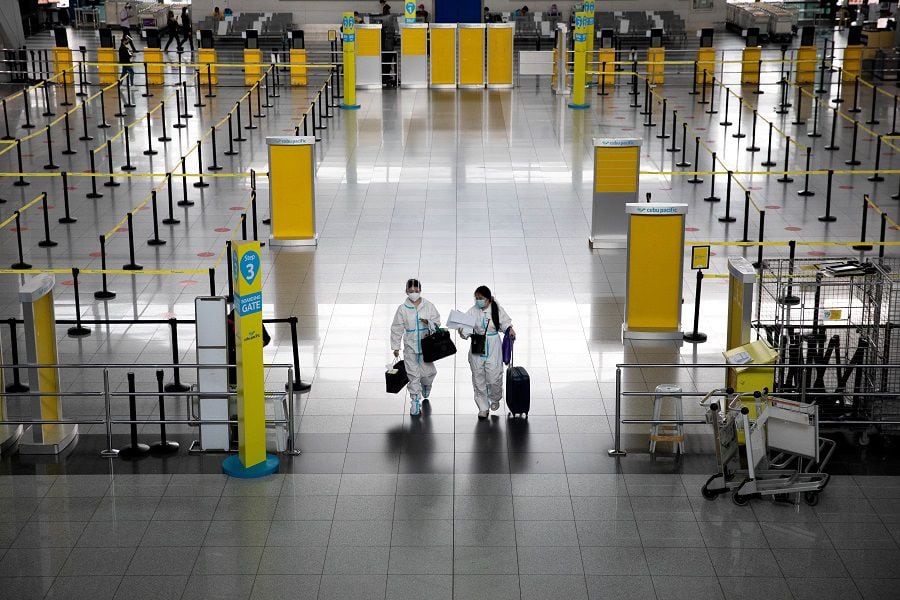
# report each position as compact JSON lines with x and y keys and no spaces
{"x":438,"y":345}
{"x":395,"y":378}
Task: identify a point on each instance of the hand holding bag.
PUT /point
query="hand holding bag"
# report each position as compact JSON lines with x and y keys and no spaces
{"x":507,"y":347}
{"x":438,"y":345}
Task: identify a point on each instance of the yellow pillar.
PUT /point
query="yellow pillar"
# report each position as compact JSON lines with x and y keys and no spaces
{"x":298,"y":67}
{"x":706,"y":60}
{"x":750,"y":65}
{"x":579,"y":99}
{"x":442,"y":73}
{"x":153,"y":58}
{"x":207,"y":56}
{"x":106,"y":58}
{"x":62,"y":61}
{"x":349,"y":60}
{"x":806,"y":65}
{"x":656,"y":70}
{"x":251,"y":460}
{"x":500,"y":55}
{"x":252,"y":65}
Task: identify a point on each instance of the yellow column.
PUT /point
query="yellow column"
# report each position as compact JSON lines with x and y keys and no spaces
{"x":749,"y":65}
{"x":349,"y":60}
{"x":252,"y":65}
{"x":62,"y":61}
{"x":207,"y":56}
{"x":656,"y":70}
{"x":153,"y":58}
{"x":298,"y":67}
{"x":292,"y":197}
{"x":579,"y":100}
{"x":806,"y":65}
{"x":706,"y":60}
{"x":251,"y":460}
{"x":409,"y":12}
{"x":106,"y":57}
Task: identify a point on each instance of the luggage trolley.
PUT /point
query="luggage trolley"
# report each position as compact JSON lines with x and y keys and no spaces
{"x":789,"y":428}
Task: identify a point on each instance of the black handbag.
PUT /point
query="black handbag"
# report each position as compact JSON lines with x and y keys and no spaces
{"x":479,"y":343}
{"x":438,"y":345}
{"x":395,"y":378}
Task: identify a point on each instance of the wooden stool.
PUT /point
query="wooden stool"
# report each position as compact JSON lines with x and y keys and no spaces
{"x":667,"y":432}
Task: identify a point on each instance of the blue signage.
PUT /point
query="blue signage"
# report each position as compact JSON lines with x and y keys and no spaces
{"x":248,"y":305}
{"x":250,"y":267}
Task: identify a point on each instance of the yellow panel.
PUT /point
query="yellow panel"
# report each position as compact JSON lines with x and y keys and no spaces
{"x":806,"y":64}
{"x":443,"y":55}
{"x":750,"y":64}
{"x":368,"y":42}
{"x":656,"y":72}
{"x":706,"y":60}
{"x":153,"y":58}
{"x":62,"y":61}
{"x":413,"y":41}
{"x":107,"y":71}
{"x":654,"y":272}
{"x":45,"y":344}
{"x":207,"y":56}
{"x":616,"y":169}
{"x":852,"y":60}
{"x":500,"y":44}
{"x":290,"y":177}
{"x":298,"y":67}
{"x":252,"y":66}
{"x":471,"y":56}
{"x":607,"y":57}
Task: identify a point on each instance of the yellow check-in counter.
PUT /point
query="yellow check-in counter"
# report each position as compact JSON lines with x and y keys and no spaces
{"x":471,"y":55}
{"x":442,"y":41}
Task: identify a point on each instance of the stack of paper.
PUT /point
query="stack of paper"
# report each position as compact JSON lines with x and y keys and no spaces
{"x":461,"y":320}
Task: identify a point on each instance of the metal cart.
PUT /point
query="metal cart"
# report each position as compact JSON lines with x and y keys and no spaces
{"x":784,"y":452}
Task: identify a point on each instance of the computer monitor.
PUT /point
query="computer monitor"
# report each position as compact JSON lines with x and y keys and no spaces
{"x":251,"y":39}
{"x":297,"y":39}
{"x":153,"y":38}
{"x":106,"y":38}
{"x":206,"y":39}
{"x":751,"y":37}
{"x":706,"y":37}
{"x":61,"y":37}
{"x":807,"y":35}
{"x":656,"y":38}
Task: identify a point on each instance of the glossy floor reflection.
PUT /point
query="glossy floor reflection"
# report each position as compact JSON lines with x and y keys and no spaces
{"x":457,"y":188}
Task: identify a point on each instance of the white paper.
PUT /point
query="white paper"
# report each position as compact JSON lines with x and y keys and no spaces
{"x":461,"y":320}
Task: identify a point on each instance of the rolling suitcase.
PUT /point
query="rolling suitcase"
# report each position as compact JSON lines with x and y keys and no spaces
{"x":518,"y":390}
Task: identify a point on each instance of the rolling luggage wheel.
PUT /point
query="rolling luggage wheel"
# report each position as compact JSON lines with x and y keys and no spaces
{"x":740,"y":499}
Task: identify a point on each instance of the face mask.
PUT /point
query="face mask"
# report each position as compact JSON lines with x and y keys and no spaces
{"x":413,"y":296}
{"x":480,"y":302}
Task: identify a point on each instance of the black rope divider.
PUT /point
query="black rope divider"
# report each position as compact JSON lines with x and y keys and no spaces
{"x":104,"y":293}
{"x":727,"y":217}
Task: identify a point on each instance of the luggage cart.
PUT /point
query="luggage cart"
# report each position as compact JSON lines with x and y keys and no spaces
{"x":789,"y":428}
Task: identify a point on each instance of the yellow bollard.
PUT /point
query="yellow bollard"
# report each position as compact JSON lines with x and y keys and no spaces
{"x":706,"y":61}
{"x":579,"y":100}
{"x":656,"y":69}
{"x":750,"y":65}
{"x":153,"y":58}
{"x":298,"y":67}
{"x":62,"y":61}
{"x":606,"y":64}
{"x":207,"y":56}
{"x":806,"y":65}
{"x":349,"y":60}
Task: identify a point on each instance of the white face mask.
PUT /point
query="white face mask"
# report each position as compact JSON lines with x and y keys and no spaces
{"x":413,"y":296}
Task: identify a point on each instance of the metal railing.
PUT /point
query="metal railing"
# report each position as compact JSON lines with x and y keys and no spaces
{"x":108,"y":395}
{"x":803,"y":395}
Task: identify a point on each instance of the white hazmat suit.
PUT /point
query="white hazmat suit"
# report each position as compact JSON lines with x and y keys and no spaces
{"x":411,"y":324}
{"x":487,"y":368}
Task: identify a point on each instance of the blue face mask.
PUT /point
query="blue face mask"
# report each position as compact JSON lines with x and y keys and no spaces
{"x":480,"y":302}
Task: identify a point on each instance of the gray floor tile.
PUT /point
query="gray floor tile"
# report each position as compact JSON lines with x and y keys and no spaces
{"x":482,"y":484}
{"x":859,"y":535}
{"x":357,"y":560}
{"x":596,"y":485}
{"x":312,"y":484}
{"x":485,"y":560}
{"x":270,"y":486}
{"x":84,"y":587}
{"x":277,"y":560}
{"x":871,"y":563}
{"x":432,"y":532}
{"x":654,"y":508}
{"x":620,"y":587}
{"x":498,"y":587}
{"x":877,"y":589}
{"x":687,"y":588}
{"x":562,"y":587}
{"x":543,"y":508}
{"x":423,"y":507}
{"x":352,"y":587}
{"x":670,"y":534}
{"x":536,"y":484}
{"x":425,"y":561}
{"x":755,"y":588}
{"x":186,"y":508}
{"x":733,"y":534}
{"x":424,"y":484}
{"x":368,"y":484}
{"x":24,"y":588}
{"x":44,"y":534}
{"x":175,"y":533}
{"x":97,"y":561}
{"x":546,"y":533}
{"x":796,"y":535}
{"x":614,"y":561}
{"x":560,"y":560}
{"x":299,"y":533}
{"x":126,"y":508}
{"x":104,"y":534}
{"x":237,"y":533}
{"x":223,"y":587}
{"x":823,"y":589}
{"x":163,"y":561}
{"x":488,"y":508}
{"x":424,"y":587}
{"x":809,"y":562}
{"x":685,"y":562}
{"x":227,"y":561}
{"x":142,"y":587}
{"x":305,"y":507}
{"x":245,"y":508}
{"x":360,"y":533}
{"x":608,"y":533}
{"x":278,"y":587}
{"x":364,"y":508}
{"x":65,"y":509}
{"x":744,"y":562}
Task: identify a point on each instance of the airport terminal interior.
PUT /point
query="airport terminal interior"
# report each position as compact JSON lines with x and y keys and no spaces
{"x":696,"y":244}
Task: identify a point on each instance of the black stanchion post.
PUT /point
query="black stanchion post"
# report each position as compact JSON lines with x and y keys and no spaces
{"x":759,"y":264}
{"x":65,"y":89}
{"x":209,"y":88}
{"x":48,"y":112}
{"x":132,"y":264}
{"x":170,"y":220}
{"x":231,"y":151}
{"x":146,"y":93}
{"x":155,"y":240}
{"x":68,"y":151}
{"x":694,"y":91}
{"x":893,"y":130}
{"x":299,"y":385}
{"x":176,"y":385}
{"x":198,"y":101}
{"x":683,"y":162}
{"x":259,"y":113}
{"x":712,"y":98}
{"x":149,"y":151}
{"x":753,"y":147}
{"x":881,"y":236}
{"x":21,"y":265}
{"x":649,"y":122}
{"x":200,"y":183}
{"x":745,"y":238}
{"x":662,"y":135}
{"x":840,"y":84}
{"x":320,"y":111}
{"x":104,"y":293}
{"x":806,"y":192}
{"x":863,"y":246}
{"x":20,"y":182}
{"x":93,"y":194}
{"x":85,"y":137}
{"x":162,"y":115}
{"x":28,"y":124}
{"x":134,"y":450}
{"x":832,"y":146}
{"x":727,"y":218}
{"x":230,"y":273}
{"x":759,"y":73}
{"x":212,"y":281}
{"x":121,"y":112}
{"x":789,"y":298}
{"x":45,"y":209}
{"x":50,"y":164}
{"x":712,"y":182}
{"x":602,"y":92}
{"x":872,"y":120}
{"x":673,"y":148}
{"x":853,"y":160}
{"x":9,"y":137}
{"x":897,"y":195}
{"x":128,"y":166}
{"x":876,"y":177}
{"x":67,"y":218}
{"x":109,"y":161}
{"x":815,"y":119}
{"x":215,"y":152}
{"x":77,"y":330}
{"x":725,"y":122}
{"x":184,"y":202}
{"x":129,"y":103}
{"x":828,"y":217}
{"x":254,"y":216}
{"x":103,"y":124}
{"x":178,"y":116}
{"x":798,"y":114}
{"x":237,"y":110}
{"x":164,"y":447}
{"x":16,"y":387}
{"x":185,"y":114}
{"x":855,"y":108}
{"x":782,"y":101}
{"x":738,"y":134}
{"x":769,"y":162}
{"x":703,"y":99}
{"x":695,"y":336}
{"x":696,"y":177}
{"x":250,"y":124}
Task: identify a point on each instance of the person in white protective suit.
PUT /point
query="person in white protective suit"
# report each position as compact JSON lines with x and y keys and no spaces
{"x":415,"y":319}
{"x":487,"y":364}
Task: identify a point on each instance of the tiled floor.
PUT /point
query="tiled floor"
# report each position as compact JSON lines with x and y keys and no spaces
{"x":459,"y":188}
